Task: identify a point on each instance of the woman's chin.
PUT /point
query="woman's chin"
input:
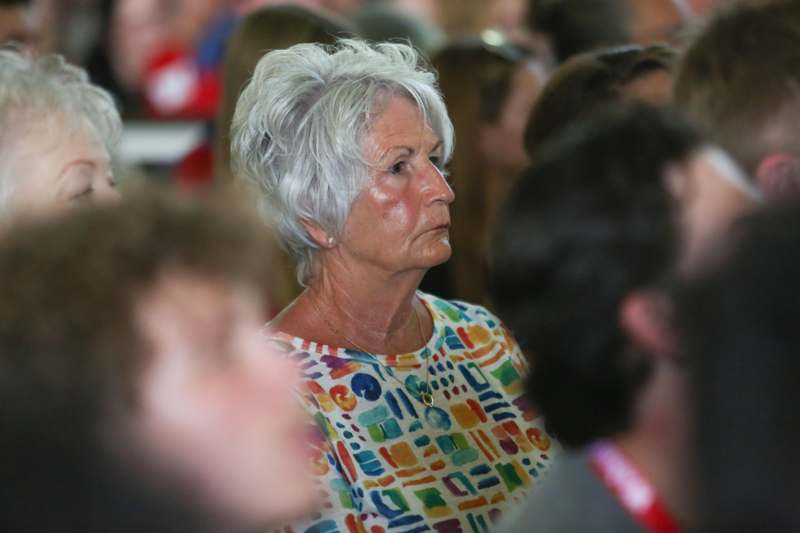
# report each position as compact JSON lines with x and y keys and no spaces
{"x":438,"y":253}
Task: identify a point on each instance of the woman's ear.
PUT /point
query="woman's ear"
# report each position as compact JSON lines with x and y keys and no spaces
{"x":778,"y":176}
{"x":320,"y":236}
{"x":644,"y":317}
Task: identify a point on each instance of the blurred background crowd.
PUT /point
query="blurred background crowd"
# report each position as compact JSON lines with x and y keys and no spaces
{"x":528,"y":265}
{"x":163,"y":60}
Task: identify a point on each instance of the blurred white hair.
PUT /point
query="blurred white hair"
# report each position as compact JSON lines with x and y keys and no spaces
{"x":33,"y":90}
{"x":299,"y":125}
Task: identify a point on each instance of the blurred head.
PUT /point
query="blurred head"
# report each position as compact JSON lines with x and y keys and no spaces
{"x":739,"y":334}
{"x":263,"y":30}
{"x":699,"y":7}
{"x":738,"y":80}
{"x":17,"y":22}
{"x":152,"y":310}
{"x":656,"y":21}
{"x":137,"y":29}
{"x":590,"y":82}
{"x":587,"y":240}
{"x":576,"y":26}
{"x":490,"y":87}
{"x":468,"y":18}
{"x":57,"y":131}
{"x":379,"y":22}
{"x":319,"y":129}
{"x":712,"y":192}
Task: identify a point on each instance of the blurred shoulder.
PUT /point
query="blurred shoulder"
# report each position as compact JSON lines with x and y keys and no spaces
{"x":572,"y":500}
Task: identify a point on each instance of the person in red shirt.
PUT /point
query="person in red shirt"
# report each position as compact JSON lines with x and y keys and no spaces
{"x":587,"y":242}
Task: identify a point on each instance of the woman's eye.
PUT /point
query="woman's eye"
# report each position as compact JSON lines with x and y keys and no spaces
{"x":83,"y":195}
{"x":398,"y":167}
{"x":437,"y":162}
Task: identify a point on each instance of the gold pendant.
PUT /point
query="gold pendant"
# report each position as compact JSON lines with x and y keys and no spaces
{"x":427,"y":399}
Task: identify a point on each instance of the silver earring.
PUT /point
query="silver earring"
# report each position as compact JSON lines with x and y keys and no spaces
{"x":331,"y":240}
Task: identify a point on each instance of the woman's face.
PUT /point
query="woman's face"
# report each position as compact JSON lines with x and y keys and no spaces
{"x":401,"y":220}
{"x":501,"y":143}
{"x":55,"y":167}
{"x":217,"y":411}
{"x":712,"y":193}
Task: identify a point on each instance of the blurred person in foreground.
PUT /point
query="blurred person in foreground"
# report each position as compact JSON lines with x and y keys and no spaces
{"x":592,"y":81}
{"x":739,"y":336}
{"x":489,"y":87}
{"x":57,"y":133}
{"x":738,"y":80}
{"x":589,"y":239}
{"x":146,"y":318}
{"x":420,"y":399}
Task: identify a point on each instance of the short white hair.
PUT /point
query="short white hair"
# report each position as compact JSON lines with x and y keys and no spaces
{"x":299,"y":125}
{"x":34,"y":89}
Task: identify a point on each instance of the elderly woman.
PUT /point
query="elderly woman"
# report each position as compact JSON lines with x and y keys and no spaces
{"x":419,"y":399}
{"x":56,"y":132}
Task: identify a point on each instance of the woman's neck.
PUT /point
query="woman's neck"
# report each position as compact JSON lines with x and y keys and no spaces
{"x":657,"y":442}
{"x":362,"y":309}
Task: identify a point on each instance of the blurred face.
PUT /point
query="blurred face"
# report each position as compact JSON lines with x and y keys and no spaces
{"x":16,"y":24}
{"x":654,"y":21}
{"x":507,"y":15}
{"x":502,"y":142}
{"x":243,"y":7}
{"x":217,"y":410}
{"x":712,"y":193}
{"x":55,"y":167}
{"x":702,"y":7}
{"x":653,"y":87}
{"x":400,"y":221}
{"x":427,"y":10}
{"x":138,"y":29}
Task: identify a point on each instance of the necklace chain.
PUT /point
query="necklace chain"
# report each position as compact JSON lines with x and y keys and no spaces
{"x":426,"y":397}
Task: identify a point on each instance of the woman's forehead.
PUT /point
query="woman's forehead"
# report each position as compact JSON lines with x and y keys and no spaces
{"x":399,"y":125}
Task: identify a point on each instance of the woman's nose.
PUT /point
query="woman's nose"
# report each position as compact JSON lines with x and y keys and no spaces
{"x":440,"y":189}
{"x":104,"y":190}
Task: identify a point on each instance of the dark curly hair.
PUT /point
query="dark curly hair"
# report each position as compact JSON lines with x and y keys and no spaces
{"x":590,"y":222}
{"x":72,"y":352}
{"x":588,"y":83}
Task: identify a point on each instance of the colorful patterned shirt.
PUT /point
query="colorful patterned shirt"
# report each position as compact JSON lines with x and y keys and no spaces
{"x":386,"y":462}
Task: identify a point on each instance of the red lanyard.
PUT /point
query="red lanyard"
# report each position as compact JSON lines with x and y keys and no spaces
{"x":633,"y":491}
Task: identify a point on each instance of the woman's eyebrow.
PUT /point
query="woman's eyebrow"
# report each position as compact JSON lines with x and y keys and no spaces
{"x":390,"y":151}
{"x":72,"y":164}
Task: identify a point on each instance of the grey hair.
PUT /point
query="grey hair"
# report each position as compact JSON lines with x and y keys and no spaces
{"x":299,"y":126}
{"x":34,"y":89}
